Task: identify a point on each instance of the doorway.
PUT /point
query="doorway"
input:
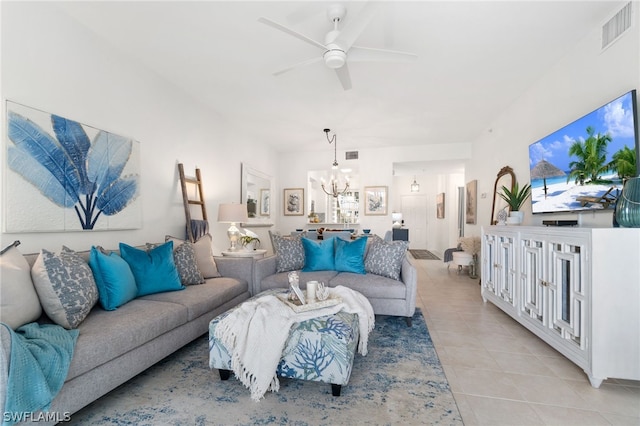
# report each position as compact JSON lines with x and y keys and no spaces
{"x":414,"y":214}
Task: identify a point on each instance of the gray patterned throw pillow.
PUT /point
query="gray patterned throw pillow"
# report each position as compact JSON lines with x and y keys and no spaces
{"x":289,"y":252}
{"x":184,"y":256}
{"x":385,"y":258}
{"x":65,"y":286}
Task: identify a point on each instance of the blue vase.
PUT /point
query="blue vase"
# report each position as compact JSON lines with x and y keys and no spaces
{"x":628,"y":206}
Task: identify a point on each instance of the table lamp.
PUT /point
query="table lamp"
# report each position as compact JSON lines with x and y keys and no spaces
{"x":233,"y":214}
{"x":397,"y":219}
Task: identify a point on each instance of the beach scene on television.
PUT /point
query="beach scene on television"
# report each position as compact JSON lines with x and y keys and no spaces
{"x":583,"y":165}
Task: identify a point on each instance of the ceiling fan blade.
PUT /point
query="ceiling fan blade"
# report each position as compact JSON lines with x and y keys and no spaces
{"x":369,"y":54}
{"x":299,"y":64}
{"x":344,"y":77}
{"x":350,"y":33}
{"x":291,"y":32}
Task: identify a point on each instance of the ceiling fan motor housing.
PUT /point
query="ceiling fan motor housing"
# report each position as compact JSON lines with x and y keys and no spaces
{"x":334,"y":57}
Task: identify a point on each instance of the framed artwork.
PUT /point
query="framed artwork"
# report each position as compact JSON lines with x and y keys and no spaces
{"x":265,"y":199}
{"x":470,"y":208}
{"x":440,"y":205}
{"x":375,"y":200}
{"x":62,"y":175}
{"x":293,"y":201}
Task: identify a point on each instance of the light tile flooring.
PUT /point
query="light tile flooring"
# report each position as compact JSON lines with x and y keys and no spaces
{"x":502,"y":374}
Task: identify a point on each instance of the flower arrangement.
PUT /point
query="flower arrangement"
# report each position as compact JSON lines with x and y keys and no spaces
{"x":470,"y":244}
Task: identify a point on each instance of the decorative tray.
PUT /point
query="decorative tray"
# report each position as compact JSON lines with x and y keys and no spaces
{"x":297,"y":307}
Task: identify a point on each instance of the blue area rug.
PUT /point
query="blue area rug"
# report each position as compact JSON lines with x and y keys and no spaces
{"x":400,"y":381}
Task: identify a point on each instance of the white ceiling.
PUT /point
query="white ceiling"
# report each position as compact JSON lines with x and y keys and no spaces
{"x":475,"y":58}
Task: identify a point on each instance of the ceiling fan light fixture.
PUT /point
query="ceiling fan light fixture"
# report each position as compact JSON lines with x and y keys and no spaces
{"x":335,"y":58}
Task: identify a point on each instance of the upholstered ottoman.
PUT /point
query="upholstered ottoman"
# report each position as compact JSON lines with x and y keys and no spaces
{"x":461,"y":259}
{"x":320,"y":349}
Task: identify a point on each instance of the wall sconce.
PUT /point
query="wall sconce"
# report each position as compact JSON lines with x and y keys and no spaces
{"x":233,"y":214}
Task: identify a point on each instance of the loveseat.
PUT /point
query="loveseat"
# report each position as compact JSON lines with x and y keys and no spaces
{"x":381,"y":271}
{"x":115,"y":345}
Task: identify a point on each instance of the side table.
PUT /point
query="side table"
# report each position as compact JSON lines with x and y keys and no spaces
{"x":256,"y":254}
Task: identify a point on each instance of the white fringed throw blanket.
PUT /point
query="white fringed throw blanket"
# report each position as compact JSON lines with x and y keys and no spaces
{"x":255,"y":334}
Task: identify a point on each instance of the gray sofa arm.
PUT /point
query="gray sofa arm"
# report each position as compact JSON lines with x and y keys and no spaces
{"x":409,"y":276}
{"x":263,"y":268}
{"x":5,"y":354}
{"x":240,"y":268}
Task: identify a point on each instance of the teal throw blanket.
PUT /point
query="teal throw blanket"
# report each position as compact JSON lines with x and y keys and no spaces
{"x":40,"y":359}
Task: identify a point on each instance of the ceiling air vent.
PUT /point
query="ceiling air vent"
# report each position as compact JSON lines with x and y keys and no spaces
{"x":616,"y":26}
{"x":351,"y":155}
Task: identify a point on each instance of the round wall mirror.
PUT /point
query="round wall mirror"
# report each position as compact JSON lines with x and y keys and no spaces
{"x":506,"y":178}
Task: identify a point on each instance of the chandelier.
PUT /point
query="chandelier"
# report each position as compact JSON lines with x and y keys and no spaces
{"x":334,"y":190}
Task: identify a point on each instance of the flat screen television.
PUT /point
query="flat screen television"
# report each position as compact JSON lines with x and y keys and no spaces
{"x":581,"y":166}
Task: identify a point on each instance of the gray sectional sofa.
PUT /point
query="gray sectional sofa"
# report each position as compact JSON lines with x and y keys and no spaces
{"x":386,"y":295}
{"x":114,"y":346}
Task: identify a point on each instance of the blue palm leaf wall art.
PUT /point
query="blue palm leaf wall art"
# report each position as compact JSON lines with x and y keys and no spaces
{"x":73,"y":168}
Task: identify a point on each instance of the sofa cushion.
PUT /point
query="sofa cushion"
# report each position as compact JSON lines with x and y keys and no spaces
{"x":289,"y":252}
{"x":19,"y":302}
{"x":385,"y":258}
{"x":65,"y":286}
{"x":204,"y":298}
{"x":318,"y":255}
{"x":204,"y":256}
{"x":349,"y":255}
{"x":281,"y":280}
{"x":371,"y":285}
{"x":105,"y":335}
{"x":154,"y":270}
{"x":115,"y":281}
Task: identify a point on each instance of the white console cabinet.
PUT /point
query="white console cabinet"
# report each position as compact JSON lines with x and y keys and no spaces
{"x":578,"y":289}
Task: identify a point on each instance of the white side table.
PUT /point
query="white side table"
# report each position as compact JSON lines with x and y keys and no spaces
{"x":256,"y":254}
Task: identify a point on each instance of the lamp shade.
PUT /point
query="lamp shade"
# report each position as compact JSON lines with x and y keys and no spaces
{"x":232,"y":213}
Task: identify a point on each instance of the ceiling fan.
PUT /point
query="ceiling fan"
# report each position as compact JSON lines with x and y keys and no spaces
{"x":338,"y":48}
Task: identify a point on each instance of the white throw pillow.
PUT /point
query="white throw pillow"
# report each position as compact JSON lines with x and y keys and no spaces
{"x":19,"y":303}
{"x":66,"y":287}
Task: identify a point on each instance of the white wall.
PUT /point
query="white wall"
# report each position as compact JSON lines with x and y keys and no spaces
{"x":582,"y":81}
{"x":51,"y":63}
{"x":375,"y":166}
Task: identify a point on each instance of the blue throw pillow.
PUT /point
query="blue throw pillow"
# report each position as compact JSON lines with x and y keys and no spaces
{"x":349,"y":255}
{"x":114,"y":279}
{"x":155,"y":270}
{"x":318,"y":255}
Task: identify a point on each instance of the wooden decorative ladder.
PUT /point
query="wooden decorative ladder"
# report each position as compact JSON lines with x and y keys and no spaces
{"x":193,"y":225}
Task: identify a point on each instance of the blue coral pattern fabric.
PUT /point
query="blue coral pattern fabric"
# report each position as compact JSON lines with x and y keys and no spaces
{"x":320,"y":349}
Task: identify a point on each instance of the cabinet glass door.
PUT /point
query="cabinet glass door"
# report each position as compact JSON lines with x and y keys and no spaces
{"x":489,"y":262}
{"x":532,"y":279}
{"x":505,"y":268}
{"x":566,"y":293}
